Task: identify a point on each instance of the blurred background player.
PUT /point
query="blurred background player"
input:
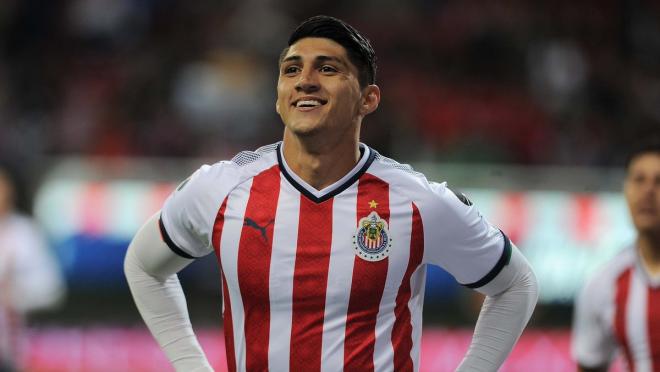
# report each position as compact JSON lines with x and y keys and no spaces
{"x":619,"y":308}
{"x":30,"y":278}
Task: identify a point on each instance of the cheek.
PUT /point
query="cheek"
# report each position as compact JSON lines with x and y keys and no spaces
{"x":280,"y":104}
{"x":349,"y":101}
{"x":628,"y":196}
{"x":281,"y":96}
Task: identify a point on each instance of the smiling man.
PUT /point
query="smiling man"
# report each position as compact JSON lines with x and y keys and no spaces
{"x":322,"y":242}
{"x":619,"y":308}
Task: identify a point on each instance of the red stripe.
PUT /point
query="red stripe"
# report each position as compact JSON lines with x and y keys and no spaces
{"x":228,"y":326}
{"x":254,"y":253}
{"x":226,"y":315}
{"x":653,"y":317}
{"x":621,"y":299}
{"x":310,"y":283}
{"x":402,"y":341}
{"x":367,"y":285}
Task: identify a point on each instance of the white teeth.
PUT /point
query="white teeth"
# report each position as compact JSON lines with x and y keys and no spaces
{"x":309,"y":103}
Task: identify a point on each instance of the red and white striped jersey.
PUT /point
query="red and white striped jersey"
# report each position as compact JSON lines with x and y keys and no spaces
{"x":333,"y":279}
{"x":619,"y":308}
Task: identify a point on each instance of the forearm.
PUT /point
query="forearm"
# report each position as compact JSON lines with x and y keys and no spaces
{"x":150,"y":270}
{"x":502,"y":318}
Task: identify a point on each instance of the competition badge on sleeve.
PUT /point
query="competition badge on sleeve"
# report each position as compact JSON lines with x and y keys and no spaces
{"x":371,"y":240}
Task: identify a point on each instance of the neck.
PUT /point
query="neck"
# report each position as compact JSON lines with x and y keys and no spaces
{"x":649,"y":249}
{"x":320,"y":162}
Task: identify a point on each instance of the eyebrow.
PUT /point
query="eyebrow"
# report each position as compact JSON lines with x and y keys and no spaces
{"x":318,"y":59}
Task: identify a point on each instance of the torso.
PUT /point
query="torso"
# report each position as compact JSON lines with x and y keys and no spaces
{"x":333,"y":279}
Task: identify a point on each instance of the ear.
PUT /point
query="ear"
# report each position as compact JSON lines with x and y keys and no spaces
{"x":277,"y":106}
{"x":370,"y":99}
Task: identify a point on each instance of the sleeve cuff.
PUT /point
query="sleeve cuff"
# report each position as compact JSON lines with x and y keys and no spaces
{"x":170,"y":243}
{"x":503,"y":261}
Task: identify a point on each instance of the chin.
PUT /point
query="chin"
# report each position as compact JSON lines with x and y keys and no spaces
{"x":305,"y":129}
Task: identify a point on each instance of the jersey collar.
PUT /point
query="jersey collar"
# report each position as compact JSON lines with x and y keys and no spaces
{"x":367,"y":156}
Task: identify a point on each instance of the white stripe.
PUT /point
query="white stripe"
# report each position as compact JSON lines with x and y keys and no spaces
{"x":418,"y":284}
{"x":636,"y":322}
{"x":231,"y":235}
{"x":340,"y":275}
{"x":400,"y":228}
{"x":282,"y":267}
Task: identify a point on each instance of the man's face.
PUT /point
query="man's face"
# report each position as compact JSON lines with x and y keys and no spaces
{"x":318,"y":88}
{"x":642,"y":191}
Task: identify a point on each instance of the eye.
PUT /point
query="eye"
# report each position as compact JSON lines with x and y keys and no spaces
{"x":288,"y":70}
{"x":327,"y":69}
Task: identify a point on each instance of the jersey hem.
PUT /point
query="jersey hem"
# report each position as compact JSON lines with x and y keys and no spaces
{"x":170,"y":243}
{"x":503,"y":261}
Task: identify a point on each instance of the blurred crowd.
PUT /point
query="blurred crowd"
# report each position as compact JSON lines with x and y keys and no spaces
{"x":524,"y":82}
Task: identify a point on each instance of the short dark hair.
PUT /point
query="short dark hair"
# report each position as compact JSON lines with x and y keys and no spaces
{"x":359,"y":49}
{"x":649,"y":144}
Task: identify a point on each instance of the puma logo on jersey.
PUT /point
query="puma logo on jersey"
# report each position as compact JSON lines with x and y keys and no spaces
{"x":251,"y":223}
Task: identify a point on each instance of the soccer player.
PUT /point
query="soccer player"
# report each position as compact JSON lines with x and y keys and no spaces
{"x":30,"y":278}
{"x":619,"y":308}
{"x":323,"y":242}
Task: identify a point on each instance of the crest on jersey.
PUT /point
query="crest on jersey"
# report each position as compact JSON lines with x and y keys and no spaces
{"x":371,"y":240}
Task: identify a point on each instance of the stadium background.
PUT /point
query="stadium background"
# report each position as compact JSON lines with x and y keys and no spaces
{"x":527,"y":107}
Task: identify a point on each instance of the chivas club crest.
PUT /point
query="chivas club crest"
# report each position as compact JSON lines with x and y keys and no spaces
{"x":372,"y":241}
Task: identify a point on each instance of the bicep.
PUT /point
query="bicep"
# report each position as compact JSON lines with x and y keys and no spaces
{"x":460,"y":240}
{"x":151,"y":254}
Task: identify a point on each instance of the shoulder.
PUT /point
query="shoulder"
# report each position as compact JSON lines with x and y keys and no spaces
{"x":403,"y":178}
{"x":615,"y":267}
{"x":603,"y":281}
{"x":229,"y":173}
{"x":398,"y":175}
{"x":210,"y":184}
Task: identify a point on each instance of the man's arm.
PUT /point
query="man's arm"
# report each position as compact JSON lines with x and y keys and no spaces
{"x":503,"y":315}
{"x":150,"y":268}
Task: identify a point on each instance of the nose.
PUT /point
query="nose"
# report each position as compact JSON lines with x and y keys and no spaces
{"x":307,"y":81}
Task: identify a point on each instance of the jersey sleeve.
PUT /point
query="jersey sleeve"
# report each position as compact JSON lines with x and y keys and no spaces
{"x":460,"y":240}
{"x":592,"y":341}
{"x":187,"y":217}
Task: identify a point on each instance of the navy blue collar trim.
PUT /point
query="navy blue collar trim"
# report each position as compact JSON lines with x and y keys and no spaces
{"x":331,"y":194}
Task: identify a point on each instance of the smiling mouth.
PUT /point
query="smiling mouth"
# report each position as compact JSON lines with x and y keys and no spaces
{"x":309,"y":103}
